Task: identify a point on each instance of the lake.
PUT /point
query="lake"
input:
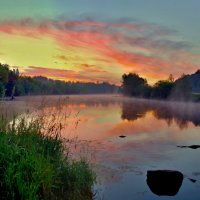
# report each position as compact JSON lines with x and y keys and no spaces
{"x":129,"y":139}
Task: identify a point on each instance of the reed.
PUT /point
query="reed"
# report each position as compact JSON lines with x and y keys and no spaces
{"x":35,"y":163}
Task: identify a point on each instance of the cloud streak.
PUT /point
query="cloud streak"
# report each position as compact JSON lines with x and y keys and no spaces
{"x":102,"y":47}
{"x":94,"y":74}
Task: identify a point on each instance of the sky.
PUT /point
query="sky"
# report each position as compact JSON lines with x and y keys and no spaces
{"x":99,"y":40}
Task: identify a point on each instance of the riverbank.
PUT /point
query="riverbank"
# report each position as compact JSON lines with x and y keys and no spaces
{"x":35,"y":164}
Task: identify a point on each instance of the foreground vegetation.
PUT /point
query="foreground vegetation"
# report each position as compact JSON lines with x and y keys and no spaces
{"x":35,"y":164}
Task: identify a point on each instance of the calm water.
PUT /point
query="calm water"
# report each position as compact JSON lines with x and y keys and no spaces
{"x":152,"y":131}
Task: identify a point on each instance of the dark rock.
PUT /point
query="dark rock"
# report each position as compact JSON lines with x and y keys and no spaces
{"x":194,"y":146}
{"x":192,"y":180}
{"x":164,"y":182}
{"x":191,"y":147}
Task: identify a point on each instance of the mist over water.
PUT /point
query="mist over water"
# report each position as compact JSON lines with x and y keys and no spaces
{"x":153,"y":132}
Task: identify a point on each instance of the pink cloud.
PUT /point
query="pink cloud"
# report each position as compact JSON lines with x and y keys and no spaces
{"x":113,"y":43}
{"x":94,"y":74}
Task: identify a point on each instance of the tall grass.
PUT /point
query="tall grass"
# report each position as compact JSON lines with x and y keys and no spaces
{"x":35,"y":163}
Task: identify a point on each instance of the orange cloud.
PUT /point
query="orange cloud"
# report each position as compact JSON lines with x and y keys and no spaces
{"x":110,"y":49}
{"x":69,"y":75}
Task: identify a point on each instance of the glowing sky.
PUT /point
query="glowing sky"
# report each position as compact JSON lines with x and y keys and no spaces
{"x":99,"y":40}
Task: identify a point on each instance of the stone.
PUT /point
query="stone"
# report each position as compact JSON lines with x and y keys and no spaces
{"x":164,"y":182}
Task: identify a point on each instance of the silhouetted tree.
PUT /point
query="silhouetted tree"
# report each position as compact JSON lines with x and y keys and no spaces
{"x":134,"y":85}
{"x":12,"y":78}
{"x":171,"y":78}
{"x":2,"y":90}
{"x":182,"y":89}
{"x":8,"y":80}
{"x":185,"y":88}
{"x":162,"y":89}
{"x":4,"y":73}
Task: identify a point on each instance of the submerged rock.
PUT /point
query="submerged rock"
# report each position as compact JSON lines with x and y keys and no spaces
{"x":164,"y":182}
{"x":192,"y":180}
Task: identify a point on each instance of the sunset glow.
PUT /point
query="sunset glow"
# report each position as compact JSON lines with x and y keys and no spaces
{"x":92,"y":48}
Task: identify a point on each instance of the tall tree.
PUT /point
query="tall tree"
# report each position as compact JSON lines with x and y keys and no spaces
{"x":133,"y":85}
{"x":162,"y":89}
{"x":4,"y":73}
{"x":12,"y":78}
{"x":182,"y":89}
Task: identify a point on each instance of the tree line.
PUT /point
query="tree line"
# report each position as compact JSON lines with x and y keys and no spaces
{"x":185,"y":88}
{"x":8,"y":79}
{"x":180,"y":89}
{"x":13,"y":84}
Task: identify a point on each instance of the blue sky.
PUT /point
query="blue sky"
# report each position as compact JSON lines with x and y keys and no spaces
{"x":180,"y":15}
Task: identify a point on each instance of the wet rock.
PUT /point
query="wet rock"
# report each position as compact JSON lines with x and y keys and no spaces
{"x":191,"y":147}
{"x":164,"y":182}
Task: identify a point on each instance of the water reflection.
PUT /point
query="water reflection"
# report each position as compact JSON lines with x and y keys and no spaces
{"x":127,"y":137}
{"x":180,"y":113}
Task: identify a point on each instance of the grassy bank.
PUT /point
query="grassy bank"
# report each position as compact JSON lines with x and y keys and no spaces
{"x":34,"y":164}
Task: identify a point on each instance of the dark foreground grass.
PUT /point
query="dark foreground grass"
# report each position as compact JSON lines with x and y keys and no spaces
{"x":35,"y":165}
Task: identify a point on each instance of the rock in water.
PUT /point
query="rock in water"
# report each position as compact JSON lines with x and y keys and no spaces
{"x":192,"y":180}
{"x":164,"y":182}
{"x":122,"y":136}
{"x":194,"y":147}
{"x":191,"y":147}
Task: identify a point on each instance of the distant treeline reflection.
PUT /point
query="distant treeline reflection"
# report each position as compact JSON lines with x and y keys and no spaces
{"x":180,"y":113}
